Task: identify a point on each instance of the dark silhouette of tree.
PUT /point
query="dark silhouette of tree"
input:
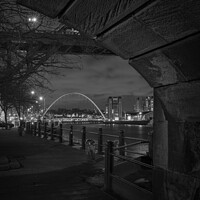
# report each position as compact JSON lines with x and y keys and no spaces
{"x":24,"y":58}
{"x":5,"y":100}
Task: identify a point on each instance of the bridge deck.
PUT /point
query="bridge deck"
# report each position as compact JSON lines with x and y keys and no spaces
{"x":66,"y":43}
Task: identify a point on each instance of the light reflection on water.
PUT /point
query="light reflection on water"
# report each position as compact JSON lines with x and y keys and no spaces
{"x":136,"y":131}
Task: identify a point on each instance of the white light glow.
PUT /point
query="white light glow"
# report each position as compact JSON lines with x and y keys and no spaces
{"x":32,"y":19}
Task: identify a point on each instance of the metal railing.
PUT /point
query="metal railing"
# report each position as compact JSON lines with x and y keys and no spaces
{"x":108,"y":148}
{"x":79,"y":136}
{"x":110,"y":177}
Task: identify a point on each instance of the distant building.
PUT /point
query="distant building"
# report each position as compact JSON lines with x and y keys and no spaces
{"x":144,"y":104}
{"x":149,"y":103}
{"x":140,"y":104}
{"x":114,"y":108}
{"x":137,"y":108}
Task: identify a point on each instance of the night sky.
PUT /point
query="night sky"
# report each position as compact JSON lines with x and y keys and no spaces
{"x":98,"y":78}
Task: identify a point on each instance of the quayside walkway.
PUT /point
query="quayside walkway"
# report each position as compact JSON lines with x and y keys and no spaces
{"x":34,"y":168}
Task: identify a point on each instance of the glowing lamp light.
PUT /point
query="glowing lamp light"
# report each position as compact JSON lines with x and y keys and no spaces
{"x":116,"y":118}
{"x":32,"y":19}
{"x":129,"y":117}
{"x":40,"y":98}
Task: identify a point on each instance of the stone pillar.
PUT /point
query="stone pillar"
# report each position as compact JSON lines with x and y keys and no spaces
{"x":181,"y":103}
{"x":178,"y":177}
{"x":176,"y":137}
{"x":160,"y":135}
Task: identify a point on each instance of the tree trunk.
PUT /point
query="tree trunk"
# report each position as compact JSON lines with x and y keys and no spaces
{"x":6,"y":121}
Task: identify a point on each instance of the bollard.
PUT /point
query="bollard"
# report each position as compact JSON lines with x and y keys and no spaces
{"x":39,"y":129}
{"x":52,"y":131}
{"x":83,"y":137}
{"x":71,"y":143}
{"x":27,"y":127}
{"x":32,"y":129}
{"x":100,"y":141}
{"x":121,"y":143}
{"x":61,"y":133}
{"x":20,"y":130}
{"x":109,"y":162}
{"x":35,"y":128}
{"x":42,"y":129}
{"x":45,"y":130}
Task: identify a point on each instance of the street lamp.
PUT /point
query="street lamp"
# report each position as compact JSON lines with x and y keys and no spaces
{"x":40,"y":98}
{"x":43,"y":99}
{"x":32,"y":92}
{"x":32,"y":19}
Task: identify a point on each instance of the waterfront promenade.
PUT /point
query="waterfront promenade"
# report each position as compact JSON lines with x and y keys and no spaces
{"x":34,"y":168}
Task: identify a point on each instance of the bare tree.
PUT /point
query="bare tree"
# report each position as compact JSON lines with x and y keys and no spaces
{"x":6,"y":100}
{"x":24,"y":58}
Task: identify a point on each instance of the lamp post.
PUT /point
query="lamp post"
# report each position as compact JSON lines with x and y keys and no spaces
{"x":32,"y":92}
{"x":41,"y":98}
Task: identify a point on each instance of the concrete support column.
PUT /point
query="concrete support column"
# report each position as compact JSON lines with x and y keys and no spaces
{"x":179,"y":173}
{"x":181,"y":104}
{"x":160,"y":135}
{"x":175,"y":76}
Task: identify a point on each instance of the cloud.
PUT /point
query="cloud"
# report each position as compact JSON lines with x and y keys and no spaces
{"x":101,"y":77}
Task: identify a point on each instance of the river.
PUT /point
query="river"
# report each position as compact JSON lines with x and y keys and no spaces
{"x":135,"y":131}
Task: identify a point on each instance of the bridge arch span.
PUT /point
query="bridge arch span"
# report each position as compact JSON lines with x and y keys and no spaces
{"x":76,"y":93}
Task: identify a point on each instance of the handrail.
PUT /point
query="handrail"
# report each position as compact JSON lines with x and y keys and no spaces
{"x":134,"y":161}
{"x":66,"y":129}
{"x":109,"y":165}
{"x":128,"y":145}
{"x":95,"y":133}
{"x":109,"y":150}
{"x":48,"y":130}
{"x":134,"y":152}
{"x":132,"y":138}
{"x":129,"y":138}
{"x":116,"y":136}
